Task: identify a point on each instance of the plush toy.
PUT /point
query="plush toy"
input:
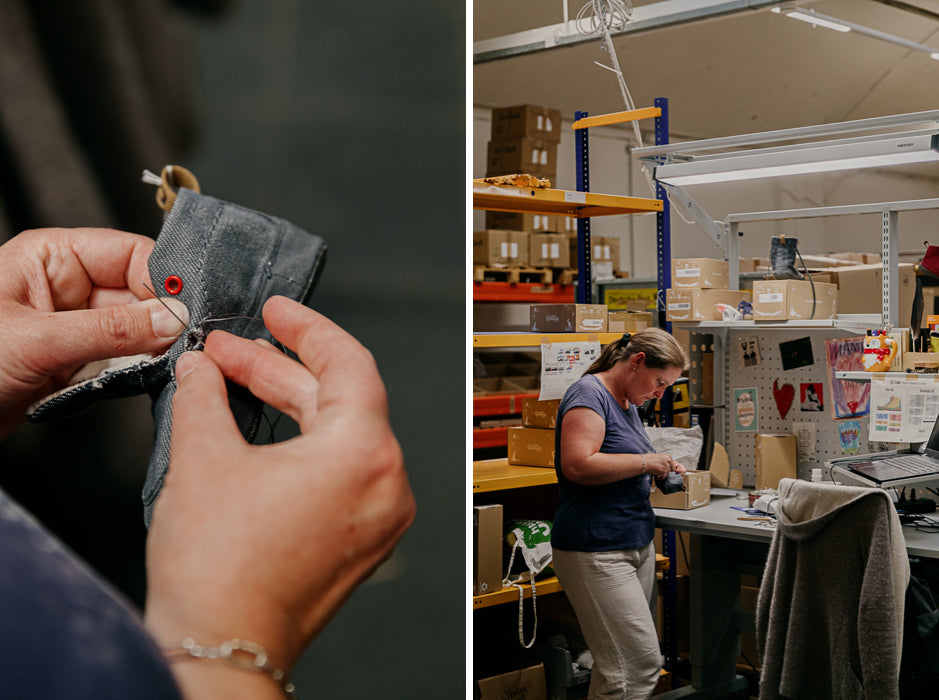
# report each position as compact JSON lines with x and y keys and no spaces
{"x":879,"y":351}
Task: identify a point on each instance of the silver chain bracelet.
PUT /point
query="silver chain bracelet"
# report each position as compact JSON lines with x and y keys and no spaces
{"x":239,"y":653}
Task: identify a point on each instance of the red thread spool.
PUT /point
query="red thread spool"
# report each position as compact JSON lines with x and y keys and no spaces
{"x":173,"y":284}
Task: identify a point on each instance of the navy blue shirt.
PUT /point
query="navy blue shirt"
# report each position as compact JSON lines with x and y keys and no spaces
{"x":64,"y":633}
{"x":603,"y":517}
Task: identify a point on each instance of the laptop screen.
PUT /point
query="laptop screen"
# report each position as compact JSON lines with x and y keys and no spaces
{"x":932,"y":444}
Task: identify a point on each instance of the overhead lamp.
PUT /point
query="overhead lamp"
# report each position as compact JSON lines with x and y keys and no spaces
{"x":840,"y":25}
{"x":796,"y":13}
{"x":811,"y":158}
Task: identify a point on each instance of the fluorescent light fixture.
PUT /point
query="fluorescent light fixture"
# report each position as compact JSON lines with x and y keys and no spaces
{"x":812,"y":158}
{"x":841,"y":25}
{"x":811,"y":19}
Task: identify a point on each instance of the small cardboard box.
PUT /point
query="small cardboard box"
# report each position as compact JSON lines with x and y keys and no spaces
{"x":628,"y":321}
{"x":526,"y":120}
{"x":783,"y":300}
{"x":491,"y":247}
{"x":549,"y":250}
{"x":522,"y":684}
{"x":531,"y":447}
{"x":697,"y":493}
{"x":487,"y":549}
{"x":861,"y":288}
{"x":521,"y":221}
{"x":688,"y":273}
{"x":776,"y":458}
{"x":701,"y":304}
{"x":523,"y":155}
{"x":913,"y":361}
{"x":540,"y":414}
{"x":568,"y":318}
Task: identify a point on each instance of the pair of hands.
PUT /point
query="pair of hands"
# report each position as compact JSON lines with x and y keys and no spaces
{"x":659,"y":464}
{"x":256,"y":542}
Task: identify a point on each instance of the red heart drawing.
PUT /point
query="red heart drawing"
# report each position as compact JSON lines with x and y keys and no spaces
{"x":783,"y":396}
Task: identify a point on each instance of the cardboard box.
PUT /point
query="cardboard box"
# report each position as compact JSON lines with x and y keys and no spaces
{"x":491,"y":247}
{"x":523,"y":684}
{"x":523,"y":155}
{"x":531,"y":447}
{"x":697,"y":493}
{"x":861,"y":288}
{"x":701,"y":304}
{"x":568,"y":318}
{"x":487,"y":549}
{"x":549,"y":250}
{"x":919,"y":361}
{"x":776,"y":458}
{"x":540,"y":414}
{"x":782,"y":300}
{"x":688,"y":273}
{"x":521,"y":221}
{"x":628,"y":321}
{"x":526,"y":120}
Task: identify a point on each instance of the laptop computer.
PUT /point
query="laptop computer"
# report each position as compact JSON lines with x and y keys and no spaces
{"x":903,"y":469}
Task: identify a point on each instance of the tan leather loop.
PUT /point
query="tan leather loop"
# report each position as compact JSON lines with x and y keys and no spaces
{"x":174,"y":177}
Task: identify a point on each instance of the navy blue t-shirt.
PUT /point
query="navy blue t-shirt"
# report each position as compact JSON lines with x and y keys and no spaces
{"x":603,"y":517}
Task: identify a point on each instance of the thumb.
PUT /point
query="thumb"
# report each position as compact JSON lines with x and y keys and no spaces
{"x":201,"y":413}
{"x":73,"y":338}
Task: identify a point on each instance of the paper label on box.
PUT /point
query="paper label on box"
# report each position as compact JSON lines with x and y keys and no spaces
{"x":688,"y":272}
{"x":544,"y":251}
{"x":597,"y":251}
{"x":680,"y":306}
{"x":540,"y":122}
{"x":771,"y":298}
{"x":513,"y":250}
{"x":606,"y":252}
{"x":547,"y":125}
{"x":538,"y":222}
{"x":592,"y":324}
{"x":534,"y":155}
{"x":555,"y":251}
{"x":504,"y":249}
{"x":544,"y":158}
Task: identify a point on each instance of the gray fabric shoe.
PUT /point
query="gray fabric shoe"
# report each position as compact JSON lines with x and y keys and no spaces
{"x":223,"y":261}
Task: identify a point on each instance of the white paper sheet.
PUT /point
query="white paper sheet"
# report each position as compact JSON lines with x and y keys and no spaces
{"x":562,"y":364}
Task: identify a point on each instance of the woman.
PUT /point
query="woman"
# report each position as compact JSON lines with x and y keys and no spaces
{"x":603,"y":529}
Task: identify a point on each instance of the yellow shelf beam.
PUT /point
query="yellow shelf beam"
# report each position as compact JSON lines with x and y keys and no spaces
{"x":498,"y":475}
{"x":509,"y":594}
{"x":564,"y":202}
{"x":528,"y":340}
{"x":617,"y":118}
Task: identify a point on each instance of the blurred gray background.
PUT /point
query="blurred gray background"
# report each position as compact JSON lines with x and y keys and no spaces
{"x":347,"y":120}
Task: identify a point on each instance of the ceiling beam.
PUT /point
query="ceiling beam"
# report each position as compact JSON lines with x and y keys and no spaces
{"x":657,"y":15}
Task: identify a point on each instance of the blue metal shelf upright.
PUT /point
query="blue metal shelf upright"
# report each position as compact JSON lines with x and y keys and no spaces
{"x":664,"y":278}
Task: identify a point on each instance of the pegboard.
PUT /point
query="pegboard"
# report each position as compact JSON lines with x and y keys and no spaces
{"x":731,"y":372}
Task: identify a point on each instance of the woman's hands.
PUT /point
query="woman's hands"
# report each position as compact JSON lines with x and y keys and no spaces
{"x":266,"y":542}
{"x":659,"y":464}
{"x":69,"y":297}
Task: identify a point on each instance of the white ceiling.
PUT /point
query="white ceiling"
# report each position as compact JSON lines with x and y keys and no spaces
{"x":749,"y":71}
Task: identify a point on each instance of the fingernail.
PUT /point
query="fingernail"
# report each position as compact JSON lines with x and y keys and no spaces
{"x":185,"y":364}
{"x":169,"y":317}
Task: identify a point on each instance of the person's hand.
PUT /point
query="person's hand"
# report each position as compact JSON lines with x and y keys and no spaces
{"x":659,"y":464}
{"x":265,"y":542}
{"x":69,"y":297}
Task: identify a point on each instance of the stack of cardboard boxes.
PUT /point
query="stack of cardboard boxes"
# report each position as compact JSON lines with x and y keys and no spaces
{"x":698,"y":286}
{"x":524,"y":139}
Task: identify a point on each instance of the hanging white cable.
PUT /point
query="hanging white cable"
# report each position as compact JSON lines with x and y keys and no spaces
{"x":603,"y":17}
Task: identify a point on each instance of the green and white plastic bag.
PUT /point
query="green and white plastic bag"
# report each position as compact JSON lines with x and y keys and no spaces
{"x":532,"y":540}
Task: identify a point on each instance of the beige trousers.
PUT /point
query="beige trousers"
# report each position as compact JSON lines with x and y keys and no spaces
{"x":614,"y":596}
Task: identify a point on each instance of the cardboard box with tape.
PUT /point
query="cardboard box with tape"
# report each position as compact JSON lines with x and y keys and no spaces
{"x":784,"y":300}
{"x":487,"y":549}
{"x":568,"y":318}
{"x":531,"y":447}
{"x":697,"y":493}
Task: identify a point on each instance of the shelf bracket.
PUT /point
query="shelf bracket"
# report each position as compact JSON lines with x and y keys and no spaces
{"x":682,"y":200}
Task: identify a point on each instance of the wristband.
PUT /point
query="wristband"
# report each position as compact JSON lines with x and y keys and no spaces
{"x":249,"y":657}
{"x":643,"y":470}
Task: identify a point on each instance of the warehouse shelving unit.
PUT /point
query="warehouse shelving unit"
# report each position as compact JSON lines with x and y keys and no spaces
{"x":582,"y":205}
